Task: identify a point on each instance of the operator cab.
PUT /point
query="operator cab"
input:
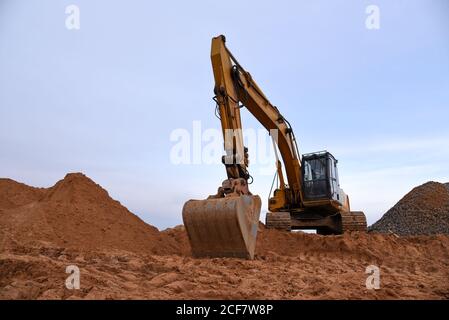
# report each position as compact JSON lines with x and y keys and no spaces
{"x":320,"y":174}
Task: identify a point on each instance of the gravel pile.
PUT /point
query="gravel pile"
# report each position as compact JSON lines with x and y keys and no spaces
{"x":423,"y":211}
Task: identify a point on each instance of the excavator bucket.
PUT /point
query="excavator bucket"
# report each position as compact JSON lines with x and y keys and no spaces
{"x":223,"y":227}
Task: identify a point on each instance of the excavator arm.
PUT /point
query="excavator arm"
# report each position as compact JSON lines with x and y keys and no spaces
{"x":235,"y":88}
{"x":225,"y":224}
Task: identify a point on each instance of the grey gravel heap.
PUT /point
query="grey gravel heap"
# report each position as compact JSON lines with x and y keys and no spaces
{"x":423,"y":211}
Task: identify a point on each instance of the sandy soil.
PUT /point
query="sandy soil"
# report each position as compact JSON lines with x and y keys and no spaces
{"x":320,"y":268}
{"x":42,"y":231}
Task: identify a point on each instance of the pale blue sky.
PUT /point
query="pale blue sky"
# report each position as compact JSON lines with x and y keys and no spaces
{"x":103,"y":100}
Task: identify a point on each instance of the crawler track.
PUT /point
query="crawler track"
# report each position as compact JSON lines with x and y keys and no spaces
{"x":278,"y":220}
{"x":353,"y":221}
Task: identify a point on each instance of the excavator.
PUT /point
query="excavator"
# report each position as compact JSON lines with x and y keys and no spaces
{"x":307,"y":197}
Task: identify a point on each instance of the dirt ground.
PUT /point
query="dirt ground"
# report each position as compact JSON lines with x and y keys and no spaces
{"x":75,"y":222}
{"x":320,"y":268}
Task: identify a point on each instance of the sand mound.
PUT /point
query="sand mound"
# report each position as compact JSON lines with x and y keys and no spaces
{"x":119,"y":256}
{"x":14,"y":194}
{"x":424,"y":210}
{"x":75,"y":213}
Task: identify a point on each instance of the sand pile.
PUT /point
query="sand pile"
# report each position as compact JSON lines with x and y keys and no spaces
{"x":14,"y":194}
{"x":119,"y":256}
{"x":74,"y":213}
{"x":422,"y":211}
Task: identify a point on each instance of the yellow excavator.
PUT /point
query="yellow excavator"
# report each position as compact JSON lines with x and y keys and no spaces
{"x":226,"y":224}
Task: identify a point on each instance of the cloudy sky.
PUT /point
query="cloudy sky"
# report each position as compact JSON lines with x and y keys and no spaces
{"x":105,"y":99}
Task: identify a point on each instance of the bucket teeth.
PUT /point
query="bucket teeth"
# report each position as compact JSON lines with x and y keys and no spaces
{"x":224,"y":227}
